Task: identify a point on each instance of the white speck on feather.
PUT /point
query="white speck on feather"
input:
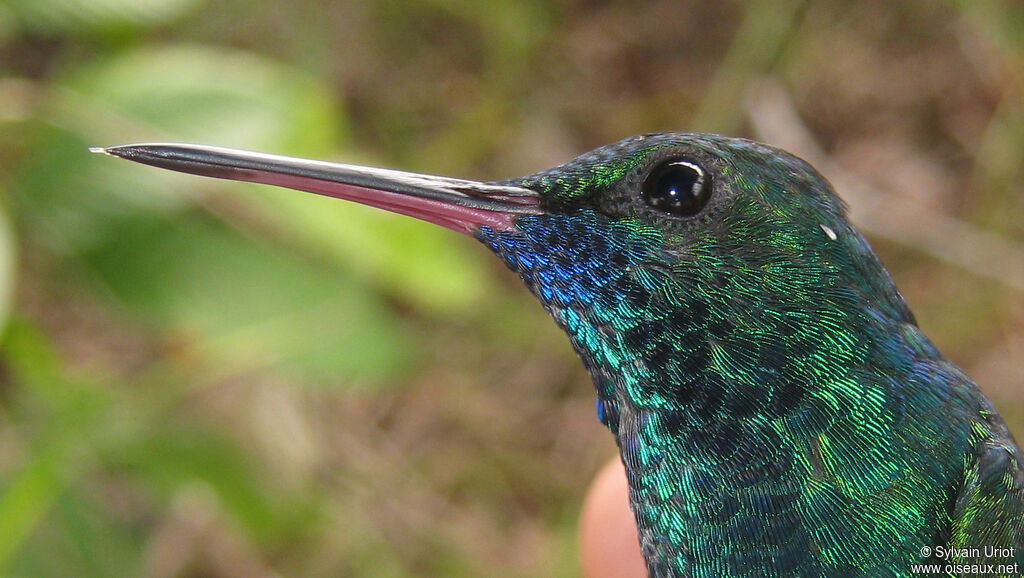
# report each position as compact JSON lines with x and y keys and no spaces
{"x":828,"y":231}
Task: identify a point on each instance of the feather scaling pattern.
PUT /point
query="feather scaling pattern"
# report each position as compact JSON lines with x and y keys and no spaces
{"x":777,"y":409}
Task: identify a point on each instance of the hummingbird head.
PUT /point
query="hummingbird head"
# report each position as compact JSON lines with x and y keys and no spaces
{"x":699,"y":272}
{"x":675,"y":262}
{"x":704,"y":206}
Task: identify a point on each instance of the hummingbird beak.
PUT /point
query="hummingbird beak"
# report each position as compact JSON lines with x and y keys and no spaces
{"x":458,"y":204}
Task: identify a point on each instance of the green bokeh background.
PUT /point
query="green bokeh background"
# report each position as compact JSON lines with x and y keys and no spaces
{"x":200,"y":378}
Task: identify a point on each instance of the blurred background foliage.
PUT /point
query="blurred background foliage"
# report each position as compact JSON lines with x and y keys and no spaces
{"x":200,"y":378}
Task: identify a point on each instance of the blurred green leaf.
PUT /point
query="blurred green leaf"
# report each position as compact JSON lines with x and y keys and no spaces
{"x":215,"y":96}
{"x":81,"y":428}
{"x":203,"y":94}
{"x":237,"y":304}
{"x":69,"y":407}
{"x":90,"y":16}
{"x":431,"y":267}
{"x":69,"y":202}
{"x":26,"y":499}
{"x":249,"y":303}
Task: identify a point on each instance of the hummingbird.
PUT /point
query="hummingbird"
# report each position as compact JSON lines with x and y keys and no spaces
{"x":777,"y":409}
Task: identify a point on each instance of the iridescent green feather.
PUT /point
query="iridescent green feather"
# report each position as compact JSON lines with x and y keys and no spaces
{"x":778,"y":411}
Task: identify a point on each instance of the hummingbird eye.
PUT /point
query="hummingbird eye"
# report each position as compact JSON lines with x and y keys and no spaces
{"x":678,"y":187}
